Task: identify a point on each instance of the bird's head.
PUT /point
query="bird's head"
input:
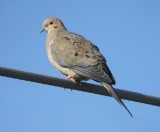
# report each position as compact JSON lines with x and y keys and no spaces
{"x":52,"y":24}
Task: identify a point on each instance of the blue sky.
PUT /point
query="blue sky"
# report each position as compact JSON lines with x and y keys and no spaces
{"x":127,"y":33}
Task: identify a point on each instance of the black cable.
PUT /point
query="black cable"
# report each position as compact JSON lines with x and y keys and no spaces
{"x":86,"y":87}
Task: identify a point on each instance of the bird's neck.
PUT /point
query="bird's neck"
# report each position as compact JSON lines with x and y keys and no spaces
{"x":50,"y":37}
{"x":52,"y":33}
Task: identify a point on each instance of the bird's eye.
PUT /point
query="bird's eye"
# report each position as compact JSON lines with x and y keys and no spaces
{"x":51,"y":23}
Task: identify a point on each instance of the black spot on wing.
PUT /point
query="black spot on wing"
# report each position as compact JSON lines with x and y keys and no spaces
{"x":75,"y":54}
{"x":87,"y":56}
{"x":67,"y":38}
{"x":94,"y":57}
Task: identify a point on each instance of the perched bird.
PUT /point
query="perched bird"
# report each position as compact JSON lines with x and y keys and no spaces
{"x":76,"y":57}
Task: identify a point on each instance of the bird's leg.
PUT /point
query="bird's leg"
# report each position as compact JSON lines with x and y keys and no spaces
{"x":71,"y":79}
{"x":68,"y":77}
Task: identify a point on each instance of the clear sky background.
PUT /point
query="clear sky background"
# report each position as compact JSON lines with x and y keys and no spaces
{"x":127,"y":33}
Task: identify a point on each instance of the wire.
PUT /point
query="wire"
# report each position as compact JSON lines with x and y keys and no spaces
{"x":85,"y":87}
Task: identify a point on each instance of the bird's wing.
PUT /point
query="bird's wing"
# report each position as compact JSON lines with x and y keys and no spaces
{"x":80,"y":55}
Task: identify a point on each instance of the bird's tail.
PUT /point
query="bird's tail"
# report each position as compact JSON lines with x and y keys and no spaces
{"x":113,"y":93}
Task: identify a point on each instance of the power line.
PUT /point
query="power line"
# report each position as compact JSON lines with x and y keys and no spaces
{"x":85,"y":87}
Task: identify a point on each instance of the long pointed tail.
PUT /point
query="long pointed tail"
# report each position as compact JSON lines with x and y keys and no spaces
{"x":113,"y":93}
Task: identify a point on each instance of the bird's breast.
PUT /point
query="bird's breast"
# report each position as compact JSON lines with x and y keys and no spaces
{"x":65,"y":71}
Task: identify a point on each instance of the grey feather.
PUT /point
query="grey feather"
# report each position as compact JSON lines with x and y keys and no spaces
{"x":113,"y":93}
{"x":94,"y":67}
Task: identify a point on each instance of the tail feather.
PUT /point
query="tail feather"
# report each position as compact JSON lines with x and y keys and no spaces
{"x":113,"y":93}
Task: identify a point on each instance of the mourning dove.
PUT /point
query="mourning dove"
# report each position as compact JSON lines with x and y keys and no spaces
{"x":77,"y":57}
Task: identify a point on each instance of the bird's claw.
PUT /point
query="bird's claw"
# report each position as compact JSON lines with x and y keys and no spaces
{"x":73,"y":80}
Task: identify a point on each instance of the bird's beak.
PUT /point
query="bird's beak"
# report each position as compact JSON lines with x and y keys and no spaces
{"x":43,"y":29}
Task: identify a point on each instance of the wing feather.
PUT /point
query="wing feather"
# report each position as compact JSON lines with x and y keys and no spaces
{"x":80,"y":55}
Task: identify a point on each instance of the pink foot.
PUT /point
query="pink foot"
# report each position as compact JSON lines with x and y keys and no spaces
{"x":68,"y":77}
{"x":71,"y":79}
